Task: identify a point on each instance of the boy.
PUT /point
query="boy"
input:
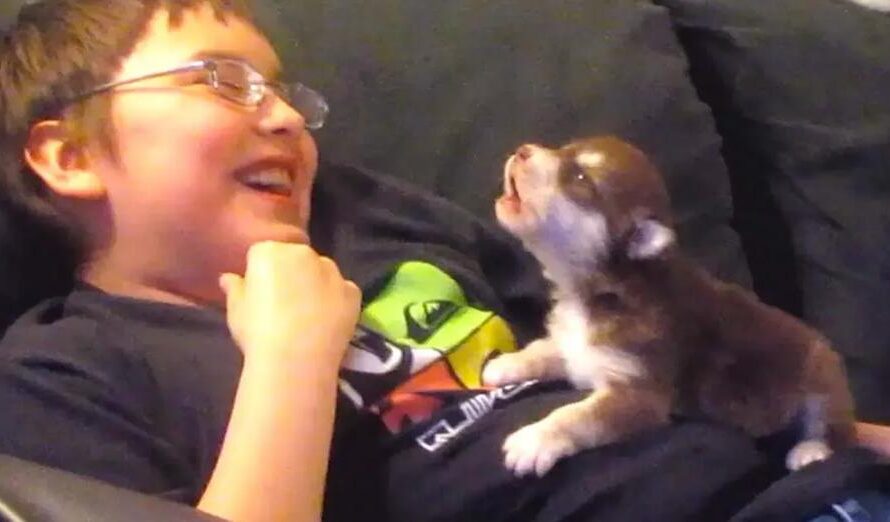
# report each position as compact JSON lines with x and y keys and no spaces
{"x":178,"y":188}
{"x":148,"y":141}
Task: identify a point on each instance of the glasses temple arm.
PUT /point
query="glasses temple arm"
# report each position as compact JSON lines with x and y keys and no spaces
{"x":191,"y":66}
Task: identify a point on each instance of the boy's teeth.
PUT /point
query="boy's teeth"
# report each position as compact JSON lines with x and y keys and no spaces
{"x":271,"y":178}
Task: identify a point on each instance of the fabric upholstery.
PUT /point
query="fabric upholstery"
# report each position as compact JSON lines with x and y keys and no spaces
{"x":800,"y":90}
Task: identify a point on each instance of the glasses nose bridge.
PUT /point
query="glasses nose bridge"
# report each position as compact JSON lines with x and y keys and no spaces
{"x":281,"y":116}
{"x":307,"y":105}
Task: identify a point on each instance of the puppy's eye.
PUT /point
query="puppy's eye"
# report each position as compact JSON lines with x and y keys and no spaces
{"x":579,"y":175}
{"x":576,"y":177}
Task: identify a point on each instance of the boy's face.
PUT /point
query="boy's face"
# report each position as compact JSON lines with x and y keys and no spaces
{"x":180,"y":209}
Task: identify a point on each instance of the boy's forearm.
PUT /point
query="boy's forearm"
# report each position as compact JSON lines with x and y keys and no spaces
{"x":875,"y":437}
{"x":274,"y":458}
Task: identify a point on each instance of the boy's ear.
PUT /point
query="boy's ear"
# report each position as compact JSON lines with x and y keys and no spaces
{"x":649,"y":239}
{"x":61,"y":163}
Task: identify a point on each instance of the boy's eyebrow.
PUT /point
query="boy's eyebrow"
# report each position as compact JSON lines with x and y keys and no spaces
{"x":273,"y":75}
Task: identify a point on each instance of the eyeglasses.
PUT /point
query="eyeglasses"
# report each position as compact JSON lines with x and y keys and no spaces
{"x":237,"y":81}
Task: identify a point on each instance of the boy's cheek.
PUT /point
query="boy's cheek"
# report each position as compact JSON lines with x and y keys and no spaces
{"x":177,"y":119}
{"x":189,"y":151}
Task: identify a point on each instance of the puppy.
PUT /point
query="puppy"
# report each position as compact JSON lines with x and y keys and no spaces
{"x":639,"y":324}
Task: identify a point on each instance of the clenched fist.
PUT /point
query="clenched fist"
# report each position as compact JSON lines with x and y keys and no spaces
{"x":290,"y":302}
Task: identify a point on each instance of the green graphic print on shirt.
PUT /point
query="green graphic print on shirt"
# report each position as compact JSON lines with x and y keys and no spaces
{"x":420,"y":351}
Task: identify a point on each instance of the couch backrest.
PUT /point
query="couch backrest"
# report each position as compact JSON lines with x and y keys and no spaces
{"x":801,"y":94}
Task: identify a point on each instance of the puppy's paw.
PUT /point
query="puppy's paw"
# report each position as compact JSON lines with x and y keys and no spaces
{"x":535,"y":449}
{"x":508,"y":368}
{"x":806,"y":452}
{"x":531,"y":362}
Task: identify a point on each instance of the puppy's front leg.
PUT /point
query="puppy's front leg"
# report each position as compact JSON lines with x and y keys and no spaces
{"x":602,"y":417}
{"x":540,"y":359}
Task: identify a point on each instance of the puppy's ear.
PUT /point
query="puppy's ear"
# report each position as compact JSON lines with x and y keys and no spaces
{"x":649,"y":239}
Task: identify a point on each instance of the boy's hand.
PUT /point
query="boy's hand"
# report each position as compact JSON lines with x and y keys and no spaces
{"x":291,"y":301}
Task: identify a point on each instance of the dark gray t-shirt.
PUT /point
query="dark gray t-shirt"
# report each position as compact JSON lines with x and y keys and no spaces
{"x":133,"y":392}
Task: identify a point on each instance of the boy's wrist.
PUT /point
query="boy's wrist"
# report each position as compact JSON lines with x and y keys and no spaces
{"x":301,"y":357}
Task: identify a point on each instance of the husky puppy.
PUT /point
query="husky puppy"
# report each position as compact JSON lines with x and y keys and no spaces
{"x":644,"y":328}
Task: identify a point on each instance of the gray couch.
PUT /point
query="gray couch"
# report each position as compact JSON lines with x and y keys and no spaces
{"x":770,"y":119}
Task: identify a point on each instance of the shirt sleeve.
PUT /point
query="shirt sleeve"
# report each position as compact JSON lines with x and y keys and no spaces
{"x":84,"y":411}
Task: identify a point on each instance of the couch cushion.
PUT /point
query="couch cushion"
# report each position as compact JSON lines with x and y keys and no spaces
{"x":801,"y":93}
{"x":441,"y":92}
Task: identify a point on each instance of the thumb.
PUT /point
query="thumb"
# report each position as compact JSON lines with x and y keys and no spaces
{"x":233,"y":286}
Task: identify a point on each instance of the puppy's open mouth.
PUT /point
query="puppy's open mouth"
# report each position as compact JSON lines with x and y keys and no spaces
{"x":510,"y":197}
{"x":510,"y":190}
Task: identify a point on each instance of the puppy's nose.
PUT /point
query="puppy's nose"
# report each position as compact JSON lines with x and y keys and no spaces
{"x":525,"y":152}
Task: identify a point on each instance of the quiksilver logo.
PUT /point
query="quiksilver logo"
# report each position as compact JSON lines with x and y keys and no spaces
{"x":423,"y":319}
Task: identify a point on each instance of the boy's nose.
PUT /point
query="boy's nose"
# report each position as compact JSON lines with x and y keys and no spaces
{"x":281,"y":118}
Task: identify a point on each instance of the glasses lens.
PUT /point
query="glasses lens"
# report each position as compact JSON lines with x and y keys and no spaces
{"x":309,"y":103}
{"x":234,"y":81}
{"x":239,"y":82}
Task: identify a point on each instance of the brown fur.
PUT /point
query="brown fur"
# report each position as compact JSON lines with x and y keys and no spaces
{"x":714,"y":349}
{"x":698,"y":346}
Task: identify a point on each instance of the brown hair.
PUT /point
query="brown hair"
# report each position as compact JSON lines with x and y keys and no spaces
{"x":56,"y":50}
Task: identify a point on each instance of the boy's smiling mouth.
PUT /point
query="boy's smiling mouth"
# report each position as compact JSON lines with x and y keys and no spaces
{"x":272,"y":177}
{"x":274,"y":180}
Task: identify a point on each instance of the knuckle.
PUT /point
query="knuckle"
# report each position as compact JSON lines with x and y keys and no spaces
{"x":263,"y":246}
{"x":268,"y":251}
{"x":300,"y":253}
{"x":299,"y":249}
{"x":329,"y":266}
{"x":353,"y":292}
{"x":259,"y":250}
